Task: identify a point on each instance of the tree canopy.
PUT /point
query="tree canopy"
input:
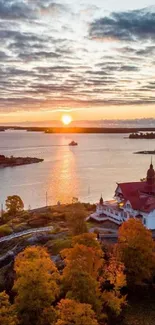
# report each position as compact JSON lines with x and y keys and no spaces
{"x":36,"y":284}
{"x":71,"y":312}
{"x":7,"y":311}
{"x":14,"y":204}
{"x":136,"y":249}
{"x":76,"y":220}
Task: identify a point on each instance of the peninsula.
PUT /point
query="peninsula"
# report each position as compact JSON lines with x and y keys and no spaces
{"x":17,"y":161}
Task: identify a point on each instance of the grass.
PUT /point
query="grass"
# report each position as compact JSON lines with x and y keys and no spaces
{"x":5,"y":230}
{"x":57,"y":245}
{"x":140,"y":311}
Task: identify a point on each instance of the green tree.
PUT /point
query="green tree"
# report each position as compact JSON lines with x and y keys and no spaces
{"x":14,"y":204}
{"x":7,"y":311}
{"x":136,"y":249}
{"x":36,"y":285}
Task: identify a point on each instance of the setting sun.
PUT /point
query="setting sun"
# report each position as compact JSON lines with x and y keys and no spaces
{"x":66,"y":119}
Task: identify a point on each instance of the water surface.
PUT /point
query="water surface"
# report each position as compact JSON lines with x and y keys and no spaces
{"x":85,"y":171}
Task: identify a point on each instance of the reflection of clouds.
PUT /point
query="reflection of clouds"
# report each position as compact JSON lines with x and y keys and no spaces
{"x":64,"y":182}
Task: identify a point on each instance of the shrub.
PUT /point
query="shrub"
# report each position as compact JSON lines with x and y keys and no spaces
{"x":56,"y":246}
{"x":5,"y":230}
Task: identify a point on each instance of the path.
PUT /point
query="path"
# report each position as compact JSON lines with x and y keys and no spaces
{"x":25,"y":232}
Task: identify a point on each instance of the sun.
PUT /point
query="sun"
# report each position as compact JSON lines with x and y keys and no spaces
{"x":66,"y":119}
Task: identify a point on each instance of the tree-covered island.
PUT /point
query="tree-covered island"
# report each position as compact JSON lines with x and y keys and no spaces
{"x":17,"y":161}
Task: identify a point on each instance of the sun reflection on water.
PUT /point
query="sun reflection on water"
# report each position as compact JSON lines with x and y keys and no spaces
{"x":65,"y":184}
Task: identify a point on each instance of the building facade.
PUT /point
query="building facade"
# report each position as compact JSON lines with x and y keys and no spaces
{"x":131,"y":200}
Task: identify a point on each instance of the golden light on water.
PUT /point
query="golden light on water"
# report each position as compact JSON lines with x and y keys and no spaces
{"x":66,"y":119}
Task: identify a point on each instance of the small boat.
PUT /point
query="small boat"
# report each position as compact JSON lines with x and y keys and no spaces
{"x":73,"y":143}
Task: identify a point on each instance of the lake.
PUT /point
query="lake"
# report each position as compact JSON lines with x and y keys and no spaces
{"x":85,"y":171}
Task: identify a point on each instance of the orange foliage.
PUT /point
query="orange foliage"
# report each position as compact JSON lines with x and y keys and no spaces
{"x":114,"y":274}
{"x":87,"y":239}
{"x":71,"y":312}
{"x":81,"y":273}
{"x":7,"y":311}
{"x":83,"y":258}
{"x":136,"y":249}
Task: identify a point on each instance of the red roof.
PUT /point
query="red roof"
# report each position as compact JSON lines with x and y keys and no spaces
{"x":137,"y":193}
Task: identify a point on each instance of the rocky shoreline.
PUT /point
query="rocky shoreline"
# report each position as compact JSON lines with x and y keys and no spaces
{"x":17,"y":161}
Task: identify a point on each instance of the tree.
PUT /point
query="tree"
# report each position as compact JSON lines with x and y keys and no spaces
{"x":114,"y":280}
{"x":14,"y":204}
{"x":7,"y":311}
{"x":87,"y":239}
{"x":71,"y":312}
{"x":77,"y":220}
{"x":36,"y":284}
{"x":83,"y":258}
{"x":136,"y":249}
{"x":80,"y":275}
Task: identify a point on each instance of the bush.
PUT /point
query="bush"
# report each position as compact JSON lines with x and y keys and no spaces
{"x":5,"y":230}
{"x":56,"y":246}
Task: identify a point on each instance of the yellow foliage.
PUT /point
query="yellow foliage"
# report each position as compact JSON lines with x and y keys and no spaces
{"x":36,"y":283}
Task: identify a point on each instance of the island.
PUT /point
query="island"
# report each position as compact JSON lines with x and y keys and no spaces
{"x":146,"y":152}
{"x":142,"y":135}
{"x":17,"y":161}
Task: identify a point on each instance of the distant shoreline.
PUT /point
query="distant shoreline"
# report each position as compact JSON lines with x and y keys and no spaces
{"x":72,"y":130}
{"x":146,"y":152}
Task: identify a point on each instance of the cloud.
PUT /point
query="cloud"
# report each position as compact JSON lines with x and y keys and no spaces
{"x":47,"y":60}
{"x":15,"y":10}
{"x":125,"y":26}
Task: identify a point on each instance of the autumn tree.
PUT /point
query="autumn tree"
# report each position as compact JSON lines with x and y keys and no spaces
{"x":87,"y":239}
{"x":14,"y":204}
{"x":136,"y":249}
{"x":71,"y":312}
{"x":36,"y":285}
{"x":77,"y":220}
{"x":114,"y":279}
{"x":81,"y":273}
{"x":83,"y":258}
{"x":7,"y":311}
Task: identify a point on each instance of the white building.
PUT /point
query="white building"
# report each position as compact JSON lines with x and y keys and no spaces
{"x":132,"y":200}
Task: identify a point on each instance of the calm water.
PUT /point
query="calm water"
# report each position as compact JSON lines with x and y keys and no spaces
{"x":85,"y":171}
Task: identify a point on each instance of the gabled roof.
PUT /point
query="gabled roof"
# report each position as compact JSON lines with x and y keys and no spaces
{"x":129,"y":189}
{"x":137,"y":193}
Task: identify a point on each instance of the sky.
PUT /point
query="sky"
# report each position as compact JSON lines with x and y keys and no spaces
{"x":92,"y":59}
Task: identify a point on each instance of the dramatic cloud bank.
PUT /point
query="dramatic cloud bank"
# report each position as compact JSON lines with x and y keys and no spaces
{"x":75,"y":55}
